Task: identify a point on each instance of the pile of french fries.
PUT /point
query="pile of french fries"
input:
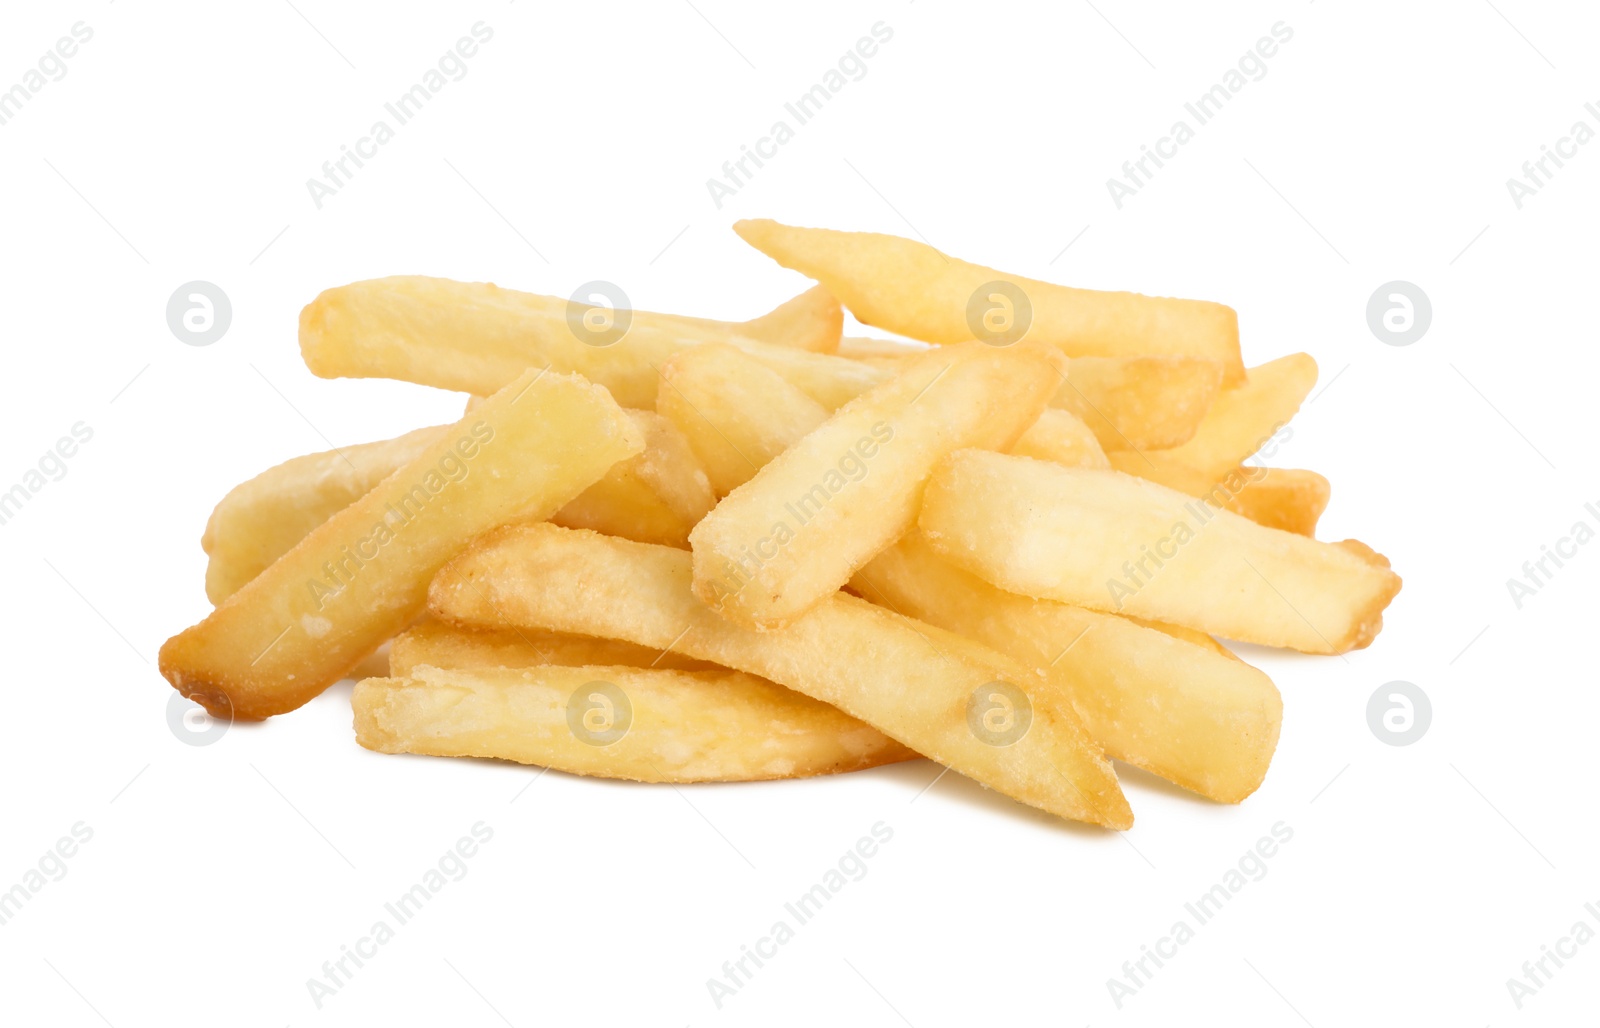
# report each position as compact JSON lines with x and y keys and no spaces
{"x":670,"y":549}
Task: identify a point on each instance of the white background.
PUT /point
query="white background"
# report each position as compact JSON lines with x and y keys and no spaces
{"x":220,"y":878}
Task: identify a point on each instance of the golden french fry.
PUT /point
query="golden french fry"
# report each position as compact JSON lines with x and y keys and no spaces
{"x":261,"y":520}
{"x":1206,"y":722}
{"x":1291,"y":499}
{"x":1114,"y":542}
{"x":1061,"y":437}
{"x":655,"y":496}
{"x":944,"y":696}
{"x":1141,"y":403}
{"x":796,"y":532}
{"x":475,"y":338}
{"x":435,"y":644}
{"x":872,"y":348}
{"x":1239,"y":423}
{"x":811,"y":321}
{"x":362,"y":575}
{"x":643,"y":725}
{"x":1188,"y":635}
{"x":709,"y":392}
{"x":912,"y":289}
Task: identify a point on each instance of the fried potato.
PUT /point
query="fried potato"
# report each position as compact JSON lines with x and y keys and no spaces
{"x":1290,"y":499}
{"x":1061,"y":437}
{"x":709,"y":392}
{"x":261,"y":520}
{"x":435,"y":644}
{"x":1239,"y":423}
{"x":1203,"y":721}
{"x":1113,"y":542}
{"x":928,"y":688}
{"x":475,"y":337}
{"x":913,"y":290}
{"x":655,"y":496}
{"x":811,"y":321}
{"x":797,"y":531}
{"x":1140,"y":403}
{"x":642,"y":725}
{"x":870,"y":348}
{"x":362,"y":575}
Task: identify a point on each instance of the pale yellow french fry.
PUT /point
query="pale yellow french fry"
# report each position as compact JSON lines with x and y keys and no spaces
{"x":642,"y":725}
{"x":1206,"y":722}
{"x":870,"y":347}
{"x":710,"y":393}
{"x":475,"y":338}
{"x":1239,"y":423}
{"x":655,"y":496}
{"x":435,"y":644}
{"x":1112,"y":542}
{"x":913,"y":290}
{"x":1141,"y":403}
{"x":792,"y":535}
{"x":934,"y":691}
{"x":1288,"y":498}
{"x":1061,"y":437}
{"x":811,"y":321}
{"x":362,"y":575}
{"x":261,"y":520}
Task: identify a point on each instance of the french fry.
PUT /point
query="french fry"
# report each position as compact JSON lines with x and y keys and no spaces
{"x":872,"y":348}
{"x":362,"y":575}
{"x":655,"y":496}
{"x":643,"y":725}
{"x":709,"y":392}
{"x":797,"y":531}
{"x":435,"y":644}
{"x":811,"y":321}
{"x":912,"y":289}
{"x":1239,"y":423}
{"x":1113,"y":542}
{"x":1290,"y":499}
{"x":1140,"y":403}
{"x":475,"y":338}
{"x":1203,"y":721}
{"x":930,"y":689}
{"x":261,"y":520}
{"x":1061,"y":437}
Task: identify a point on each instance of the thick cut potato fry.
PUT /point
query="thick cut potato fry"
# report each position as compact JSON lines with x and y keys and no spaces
{"x":1141,"y":403}
{"x":912,"y":289}
{"x":1288,"y":498}
{"x":655,"y":496}
{"x":872,"y":348}
{"x":1061,"y":437}
{"x":797,"y":531}
{"x":436,"y":644}
{"x":1114,"y":542}
{"x":709,"y":393}
{"x":261,"y":520}
{"x":362,"y":575}
{"x":1203,"y":721}
{"x":475,"y":338}
{"x":1239,"y":423}
{"x":811,"y":321}
{"x":928,"y":688}
{"x":618,"y":722}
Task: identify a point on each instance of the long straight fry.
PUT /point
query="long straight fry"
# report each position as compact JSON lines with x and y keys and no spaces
{"x":363,"y":575}
{"x":944,"y":696}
